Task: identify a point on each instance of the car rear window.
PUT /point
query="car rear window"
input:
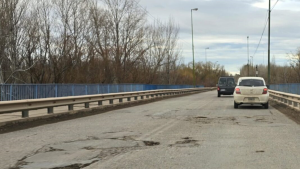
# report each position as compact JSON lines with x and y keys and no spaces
{"x":251,"y":82}
{"x":226,"y":82}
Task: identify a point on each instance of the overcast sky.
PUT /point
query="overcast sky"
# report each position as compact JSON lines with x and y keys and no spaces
{"x":223,"y":26}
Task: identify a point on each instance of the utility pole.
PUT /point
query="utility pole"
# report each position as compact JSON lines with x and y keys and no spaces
{"x":269,"y":42}
{"x":248,"y":52}
{"x":194,"y":79}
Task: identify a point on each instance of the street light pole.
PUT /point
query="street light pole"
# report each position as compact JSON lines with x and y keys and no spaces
{"x":251,"y":63}
{"x":269,"y":33}
{"x":205,"y":54}
{"x":248,"y":52}
{"x":195,"y":9}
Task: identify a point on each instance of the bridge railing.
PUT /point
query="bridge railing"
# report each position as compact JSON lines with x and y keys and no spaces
{"x":293,"y":88}
{"x":291,"y":100}
{"x":9,"y":92}
{"x":25,"y":106}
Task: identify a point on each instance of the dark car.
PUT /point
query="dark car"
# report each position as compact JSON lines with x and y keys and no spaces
{"x":226,"y":86}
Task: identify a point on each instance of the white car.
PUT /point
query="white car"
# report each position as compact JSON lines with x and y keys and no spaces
{"x":251,"y":90}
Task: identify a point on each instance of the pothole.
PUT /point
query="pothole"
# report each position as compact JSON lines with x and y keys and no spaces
{"x":201,"y":117}
{"x":51,"y":149}
{"x":151,"y":143}
{"x":87,"y":139}
{"x":82,"y":153}
{"x":262,"y":120}
{"x":186,"y":142}
{"x":75,"y":166}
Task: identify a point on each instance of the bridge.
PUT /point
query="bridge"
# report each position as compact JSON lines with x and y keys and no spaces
{"x":197,"y":130}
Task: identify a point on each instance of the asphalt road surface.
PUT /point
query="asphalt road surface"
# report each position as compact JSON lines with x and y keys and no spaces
{"x":196,"y":131}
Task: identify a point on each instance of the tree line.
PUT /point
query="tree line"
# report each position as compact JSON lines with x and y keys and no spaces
{"x":279,"y":74}
{"x":92,"y":41}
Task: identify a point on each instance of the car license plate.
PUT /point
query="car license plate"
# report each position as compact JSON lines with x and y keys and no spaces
{"x":251,"y":99}
{"x":222,"y":90}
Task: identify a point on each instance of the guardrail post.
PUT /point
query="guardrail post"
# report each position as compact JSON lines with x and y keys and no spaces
{"x":71,"y":107}
{"x":120,"y":100}
{"x":86,"y":105}
{"x":25,"y":113}
{"x":100,"y":103}
{"x":111,"y":101}
{"x":50,"y":110}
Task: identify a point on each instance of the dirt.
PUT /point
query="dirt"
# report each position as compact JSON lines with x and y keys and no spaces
{"x":286,"y":110}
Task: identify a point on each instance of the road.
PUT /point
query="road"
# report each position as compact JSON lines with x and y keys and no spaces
{"x":196,"y":131}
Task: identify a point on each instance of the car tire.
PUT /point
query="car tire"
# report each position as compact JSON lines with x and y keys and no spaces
{"x":266,"y":106}
{"x":236,"y":105}
{"x":219,"y":95}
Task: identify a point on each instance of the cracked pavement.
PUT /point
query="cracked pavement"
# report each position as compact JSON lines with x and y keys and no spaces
{"x":196,"y":131}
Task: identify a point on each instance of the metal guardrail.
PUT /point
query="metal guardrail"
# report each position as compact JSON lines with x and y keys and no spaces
{"x":25,"y":106}
{"x":291,"y":100}
{"x":10,"y":92}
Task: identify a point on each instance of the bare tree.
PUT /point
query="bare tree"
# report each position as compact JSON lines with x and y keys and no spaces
{"x":127,"y":32}
{"x":295,"y":64}
{"x":12,"y":32}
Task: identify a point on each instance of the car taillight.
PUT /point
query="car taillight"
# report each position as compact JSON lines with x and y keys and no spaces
{"x":265,"y":91}
{"x":237,"y":90}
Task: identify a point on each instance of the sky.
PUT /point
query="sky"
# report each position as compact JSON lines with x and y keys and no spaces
{"x":223,"y":27}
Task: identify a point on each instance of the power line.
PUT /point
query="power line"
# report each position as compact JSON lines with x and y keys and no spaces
{"x":274,"y":5}
{"x":264,"y":28}
{"x":262,"y":34}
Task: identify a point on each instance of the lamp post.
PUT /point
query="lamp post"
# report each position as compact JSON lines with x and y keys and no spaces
{"x":269,"y":34}
{"x":248,"y":52}
{"x":251,"y":63}
{"x":205,"y":54}
{"x":195,"y":9}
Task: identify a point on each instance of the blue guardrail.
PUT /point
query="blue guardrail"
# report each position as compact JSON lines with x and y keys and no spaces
{"x":36,"y":91}
{"x":293,"y":88}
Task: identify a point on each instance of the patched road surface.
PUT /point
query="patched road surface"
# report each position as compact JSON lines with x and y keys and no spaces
{"x":196,"y":131}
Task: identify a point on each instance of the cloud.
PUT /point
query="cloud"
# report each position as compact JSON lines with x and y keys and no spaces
{"x":224,"y":26}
